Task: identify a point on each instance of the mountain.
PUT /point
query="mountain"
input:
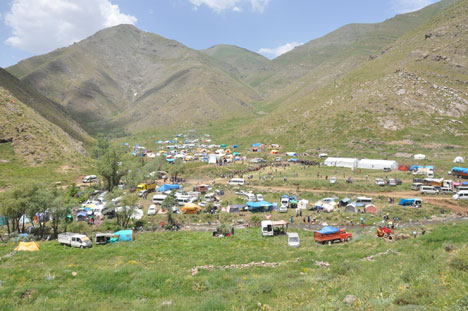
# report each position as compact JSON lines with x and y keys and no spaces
{"x":33,"y":138}
{"x":411,"y":96}
{"x":323,"y":60}
{"x":122,"y":77}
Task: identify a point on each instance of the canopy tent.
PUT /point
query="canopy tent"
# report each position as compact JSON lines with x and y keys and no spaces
{"x":191,"y":208}
{"x":377,"y":164}
{"x":415,"y":167}
{"x":257,"y":145}
{"x":235,"y":146}
{"x":223,"y":146}
{"x":459,"y":160}
{"x":328,"y":230}
{"x":370,"y":208}
{"x":404,"y":168}
{"x":27,"y":246}
{"x":167,"y":187}
{"x":341,"y":162}
{"x":259,"y":206}
{"x":82,"y":216}
{"x":125,"y":235}
{"x":351,"y":208}
{"x":274,"y":151}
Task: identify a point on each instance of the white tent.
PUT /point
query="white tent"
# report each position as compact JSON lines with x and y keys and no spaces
{"x":419,"y":157}
{"x":377,"y":164}
{"x":459,"y":160}
{"x":341,"y":162}
{"x":212,"y":159}
{"x":303,"y":204}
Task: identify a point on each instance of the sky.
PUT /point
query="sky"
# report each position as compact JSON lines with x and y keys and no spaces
{"x":268,"y":27}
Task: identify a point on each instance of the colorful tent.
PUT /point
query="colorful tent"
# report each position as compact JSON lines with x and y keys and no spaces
{"x":191,"y":208}
{"x":370,"y":208}
{"x":350,"y":208}
{"x":27,"y":246}
{"x":125,"y":235}
{"x":404,"y":168}
{"x":274,"y":151}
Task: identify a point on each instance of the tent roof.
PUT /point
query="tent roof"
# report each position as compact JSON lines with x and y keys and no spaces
{"x":27,"y":246}
{"x":328,"y":230}
{"x":259,"y":204}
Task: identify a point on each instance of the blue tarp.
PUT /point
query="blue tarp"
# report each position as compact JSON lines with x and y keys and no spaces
{"x":328,"y":230}
{"x":257,"y":145}
{"x":167,"y":187}
{"x":460,"y":169}
{"x":125,"y":235}
{"x":235,"y":146}
{"x":408,"y":202}
{"x":415,"y":167}
{"x":262,"y":206}
{"x":431,"y":167}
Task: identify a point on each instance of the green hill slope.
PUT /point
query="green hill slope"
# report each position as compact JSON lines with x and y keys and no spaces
{"x":48,"y":109}
{"x":413,"y":96}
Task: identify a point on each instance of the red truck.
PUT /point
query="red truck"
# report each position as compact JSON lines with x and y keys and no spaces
{"x":331,"y":234}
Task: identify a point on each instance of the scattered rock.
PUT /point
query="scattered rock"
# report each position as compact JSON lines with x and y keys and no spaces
{"x":167,"y":303}
{"x":449,"y":248}
{"x":349,"y":299}
{"x":372,"y":257}
{"x":74,"y":273}
{"x":322,"y":264}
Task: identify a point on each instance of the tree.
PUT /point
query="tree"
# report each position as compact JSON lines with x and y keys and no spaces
{"x":60,"y":208}
{"x":101,"y":148}
{"x":176,"y":168}
{"x":110,"y":170}
{"x":167,"y":204}
{"x":126,"y":210}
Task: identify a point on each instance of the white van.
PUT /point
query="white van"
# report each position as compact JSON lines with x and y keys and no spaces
{"x":89,"y":178}
{"x":363,"y":201}
{"x":429,"y":190}
{"x":293,"y":239}
{"x":236,"y":182}
{"x":462,"y":188}
{"x":183,"y":199}
{"x":152,"y":210}
{"x":159,"y":198}
{"x":259,"y":197}
{"x":267,"y":228}
{"x":462,"y":195}
{"x":251,"y":197}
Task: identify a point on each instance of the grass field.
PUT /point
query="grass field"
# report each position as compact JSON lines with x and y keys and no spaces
{"x":154,"y":273}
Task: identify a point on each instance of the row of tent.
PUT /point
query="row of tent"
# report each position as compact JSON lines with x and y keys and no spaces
{"x":363,"y":163}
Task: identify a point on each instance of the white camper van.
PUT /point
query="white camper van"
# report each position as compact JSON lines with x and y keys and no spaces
{"x":236,"y":182}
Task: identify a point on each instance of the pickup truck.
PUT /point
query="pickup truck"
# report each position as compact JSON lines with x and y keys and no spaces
{"x":331,"y":234}
{"x":74,"y":240}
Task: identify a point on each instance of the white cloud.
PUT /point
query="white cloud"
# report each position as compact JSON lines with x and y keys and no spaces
{"x":275,"y":52}
{"x":39,"y":26}
{"x":234,"y":5}
{"x":405,"y":6}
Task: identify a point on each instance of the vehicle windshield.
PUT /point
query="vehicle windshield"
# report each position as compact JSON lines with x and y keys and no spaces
{"x":294,"y":239}
{"x":85,"y":239}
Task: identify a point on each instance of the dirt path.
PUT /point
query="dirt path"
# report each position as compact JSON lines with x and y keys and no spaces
{"x":439,"y":200}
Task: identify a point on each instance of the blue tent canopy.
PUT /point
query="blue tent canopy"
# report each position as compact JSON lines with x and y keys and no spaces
{"x":258,"y":145}
{"x":431,"y":167}
{"x":125,"y":235}
{"x":415,"y":167}
{"x":261,"y":206}
{"x":408,"y":202}
{"x":167,"y":187}
{"x":460,"y":169}
{"x":328,"y":230}
{"x":235,"y":146}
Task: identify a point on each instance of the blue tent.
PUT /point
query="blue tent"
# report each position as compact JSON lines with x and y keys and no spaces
{"x":167,"y":187}
{"x":328,"y":230}
{"x":431,"y":167}
{"x":262,"y":206}
{"x":257,"y":145}
{"x":408,"y":202}
{"x":235,"y":146}
{"x":125,"y":235}
{"x":170,"y":160}
{"x":81,"y":216}
{"x":415,"y":167}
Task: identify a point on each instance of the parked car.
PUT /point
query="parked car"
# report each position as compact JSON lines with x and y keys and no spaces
{"x":429,"y":190}
{"x":446,"y":190}
{"x":293,"y":239}
{"x":416,"y":186}
{"x":152,"y":210}
{"x":380,"y":182}
{"x":333,"y":180}
{"x":462,"y":195}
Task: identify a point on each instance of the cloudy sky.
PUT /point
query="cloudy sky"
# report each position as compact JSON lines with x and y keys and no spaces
{"x":269,"y":27}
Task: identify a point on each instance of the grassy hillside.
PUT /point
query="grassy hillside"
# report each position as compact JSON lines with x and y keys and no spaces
{"x":28,"y":137}
{"x":126,"y":78}
{"x":413,"y":96}
{"x":48,"y":109}
{"x":155,"y":272}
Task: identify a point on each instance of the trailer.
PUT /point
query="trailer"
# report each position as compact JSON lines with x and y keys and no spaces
{"x":331,"y":234}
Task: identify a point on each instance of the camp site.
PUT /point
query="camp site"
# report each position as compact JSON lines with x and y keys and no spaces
{"x":234,"y":155}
